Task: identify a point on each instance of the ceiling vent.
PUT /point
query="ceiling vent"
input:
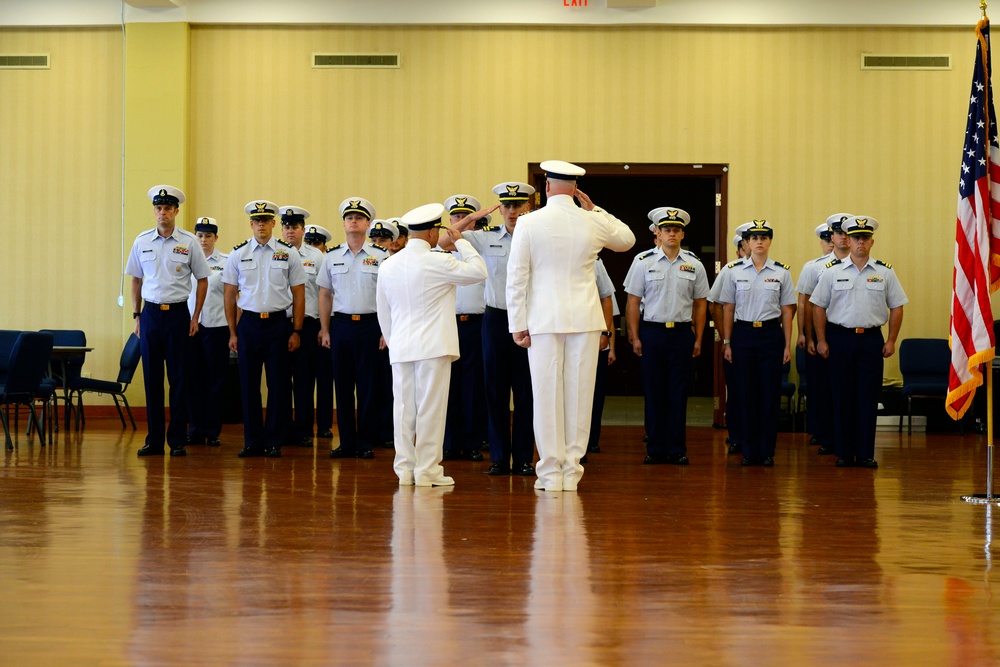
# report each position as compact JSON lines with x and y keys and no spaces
{"x":356,"y":60}
{"x":899,"y":61}
{"x":24,"y":61}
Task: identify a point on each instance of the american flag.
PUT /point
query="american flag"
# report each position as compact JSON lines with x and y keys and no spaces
{"x":977,"y":239}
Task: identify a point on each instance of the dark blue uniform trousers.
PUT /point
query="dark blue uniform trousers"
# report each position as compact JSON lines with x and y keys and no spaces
{"x":263,"y":345}
{"x":163,"y":340}
{"x":466,"y":427}
{"x":505,"y":365}
{"x":732,"y":404}
{"x":819,"y":406}
{"x":305,"y":361}
{"x":356,"y":366}
{"x":856,"y":367}
{"x":600,"y":390}
{"x":757,"y":361}
{"x":208,"y":363}
{"x":324,"y":389}
{"x":666,"y":378}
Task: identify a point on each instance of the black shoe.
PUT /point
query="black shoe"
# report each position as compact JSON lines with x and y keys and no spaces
{"x":214,"y":442}
{"x":583,"y":459}
{"x":484,"y":447}
{"x":768,"y":462}
{"x":747,"y":461}
{"x":497,"y":470}
{"x":844,"y":463}
{"x":449,"y":456}
{"x":645,"y":438}
{"x":678,"y":460}
{"x":473,"y":455}
{"x":653,"y":460}
{"x":388,"y":444}
{"x":195,"y":440}
{"x":304,"y":441}
{"x":524,"y":469}
{"x":325,"y":433}
{"x":250,"y":452}
{"x":178,"y":451}
{"x":734,"y":448}
{"x":273,"y":453}
{"x":826,"y":451}
{"x":868,"y":463}
{"x":595,"y":449}
{"x":151,"y":450}
{"x":341,"y":453}
{"x":366,"y":454}
{"x":813,"y":441}
{"x":727,"y":440}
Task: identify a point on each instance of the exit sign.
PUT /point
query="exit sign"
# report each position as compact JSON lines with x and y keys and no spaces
{"x":575,"y":3}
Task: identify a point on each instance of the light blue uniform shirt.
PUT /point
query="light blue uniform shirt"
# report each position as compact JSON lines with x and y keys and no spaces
{"x":264,"y":274}
{"x":668,"y":288}
{"x":758,"y":295}
{"x":858,"y":299}
{"x":810,"y":274}
{"x":166,"y":265}
{"x":352,"y":278}
{"x":469,"y":299}
{"x":312,"y":258}
{"x":213,"y":311}
{"x":494,"y":246}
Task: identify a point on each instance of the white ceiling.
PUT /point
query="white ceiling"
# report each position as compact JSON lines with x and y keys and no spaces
{"x":497,"y":12}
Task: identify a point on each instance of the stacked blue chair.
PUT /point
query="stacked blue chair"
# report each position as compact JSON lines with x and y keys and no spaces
{"x":26,"y":368}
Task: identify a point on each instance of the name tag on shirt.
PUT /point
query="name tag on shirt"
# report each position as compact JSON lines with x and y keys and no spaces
{"x":247,"y":264}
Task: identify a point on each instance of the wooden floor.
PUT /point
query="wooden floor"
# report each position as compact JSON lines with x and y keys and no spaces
{"x":108,"y":559}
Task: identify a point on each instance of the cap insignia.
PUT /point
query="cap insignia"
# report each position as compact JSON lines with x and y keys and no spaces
{"x":260,"y":206}
{"x":512,"y":189}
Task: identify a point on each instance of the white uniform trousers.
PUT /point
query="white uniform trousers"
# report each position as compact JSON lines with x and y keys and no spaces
{"x":563,"y":371}
{"x":420,"y":399}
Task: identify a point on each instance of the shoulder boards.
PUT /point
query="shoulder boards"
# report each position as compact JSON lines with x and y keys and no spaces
{"x":784,"y":266}
{"x":734,"y":263}
{"x":688,"y":252}
{"x":885,"y":264}
{"x":336,"y":247}
{"x":834,"y":262}
{"x":385,"y":250}
{"x":646,"y":254}
{"x":491,"y":228}
{"x":284,"y":243}
{"x":237,"y":247}
{"x":440,"y":250}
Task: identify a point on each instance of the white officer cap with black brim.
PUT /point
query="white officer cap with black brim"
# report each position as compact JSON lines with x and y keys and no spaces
{"x":459,"y":204}
{"x":739,"y":233}
{"x":382,"y":229}
{"x":665,"y":216}
{"x":357,"y":205}
{"x":860,"y":224}
{"x":562,"y":171}
{"x":513,"y":192}
{"x":424,"y":217}
{"x":206,"y":225}
{"x":293,"y":215}
{"x":824,"y":232}
{"x":165,"y":194}
{"x":836,"y":220}
{"x":317,"y":234}
{"x":759,"y":228}
{"x":484,"y":221}
{"x":260,"y":209}
{"x":400,"y":227}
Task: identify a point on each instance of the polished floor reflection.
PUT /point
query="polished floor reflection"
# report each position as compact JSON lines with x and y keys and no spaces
{"x":109,"y":559}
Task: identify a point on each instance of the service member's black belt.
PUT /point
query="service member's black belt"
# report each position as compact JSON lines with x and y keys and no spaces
{"x":264,"y":316}
{"x":495,"y":310}
{"x":356,"y":318}
{"x":776,"y":322}
{"x":854,"y":330}
{"x":472,"y":317}
{"x":167,"y":306}
{"x":666,"y":325}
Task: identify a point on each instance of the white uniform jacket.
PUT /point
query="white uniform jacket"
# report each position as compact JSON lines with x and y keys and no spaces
{"x":415,"y":296}
{"x":551,"y":286}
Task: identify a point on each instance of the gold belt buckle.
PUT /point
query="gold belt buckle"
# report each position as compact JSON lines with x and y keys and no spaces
{"x":164,"y":306}
{"x":758,"y":325}
{"x":463,"y":318}
{"x":859,"y":330}
{"x":669,"y":325}
{"x":355,"y":318}
{"x":264,"y":316}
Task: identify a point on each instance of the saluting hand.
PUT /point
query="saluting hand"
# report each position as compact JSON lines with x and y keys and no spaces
{"x":447,"y":238}
{"x":585,"y":203}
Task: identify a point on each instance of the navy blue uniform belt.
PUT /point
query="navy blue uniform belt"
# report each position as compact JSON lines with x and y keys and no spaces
{"x":495,"y":310}
{"x":356,"y":318}
{"x":471,"y":317}
{"x":855,"y":330}
{"x":665,"y":325}
{"x":277,"y":314}
{"x":776,"y":322}
{"x":167,"y":306}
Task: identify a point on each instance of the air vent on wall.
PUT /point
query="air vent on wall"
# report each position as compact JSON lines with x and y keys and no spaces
{"x":897,"y":61}
{"x":356,"y":60}
{"x":24,"y":61}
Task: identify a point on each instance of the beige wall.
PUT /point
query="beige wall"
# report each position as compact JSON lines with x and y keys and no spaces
{"x":804,"y":130}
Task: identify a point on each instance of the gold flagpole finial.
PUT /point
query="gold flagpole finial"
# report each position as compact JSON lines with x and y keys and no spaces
{"x":982,"y":6}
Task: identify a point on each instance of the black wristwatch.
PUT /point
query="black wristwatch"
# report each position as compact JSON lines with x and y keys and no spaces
{"x":297,"y":331}
{"x":606,"y":333}
{"x":134,"y":315}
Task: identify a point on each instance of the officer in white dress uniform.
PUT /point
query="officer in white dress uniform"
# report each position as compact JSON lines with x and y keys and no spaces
{"x":416,"y":313}
{"x":208,"y":354}
{"x":161,"y":264}
{"x":554,"y":311}
{"x":263,"y":277}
